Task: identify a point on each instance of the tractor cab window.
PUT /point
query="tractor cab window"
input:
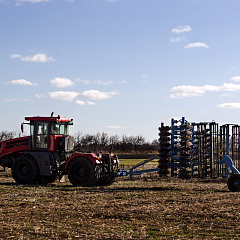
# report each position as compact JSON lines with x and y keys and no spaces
{"x":61,"y":128}
{"x":39,"y":135}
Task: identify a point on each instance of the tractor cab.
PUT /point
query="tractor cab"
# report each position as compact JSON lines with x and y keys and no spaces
{"x":50,"y":133}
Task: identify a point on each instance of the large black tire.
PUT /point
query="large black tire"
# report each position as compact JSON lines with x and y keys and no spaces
{"x":234,"y":183}
{"x":25,"y":170}
{"x":81,"y":172}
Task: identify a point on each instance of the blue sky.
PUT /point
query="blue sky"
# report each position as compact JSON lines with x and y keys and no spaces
{"x":119,"y":66}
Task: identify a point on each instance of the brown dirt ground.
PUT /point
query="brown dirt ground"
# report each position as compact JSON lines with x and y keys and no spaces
{"x":138,"y":208}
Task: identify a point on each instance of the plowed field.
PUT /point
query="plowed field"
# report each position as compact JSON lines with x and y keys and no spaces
{"x":141,"y":208}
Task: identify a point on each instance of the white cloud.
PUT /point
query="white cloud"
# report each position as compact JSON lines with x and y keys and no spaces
{"x":17,"y":100}
{"x":186,"y":91}
{"x":22,"y":82}
{"x":79,"y":102}
{"x":196,"y":91}
{"x":235,"y":105}
{"x":90,"y":94}
{"x":61,"y":82}
{"x":91,"y":103}
{"x":32,"y":1}
{"x":116,"y":127}
{"x":97,"y":95}
{"x":178,"y":39}
{"x":15,"y":55}
{"x":99,"y":82}
{"x":181,"y":29}
{"x":61,"y":95}
{"x":10,"y":100}
{"x":95,"y":82}
{"x":21,"y":2}
{"x":85,"y":81}
{"x":40,"y":57}
{"x":196,"y":44}
{"x":236,"y":79}
{"x":41,"y":96}
{"x":230,"y":87}
{"x":82,"y":103}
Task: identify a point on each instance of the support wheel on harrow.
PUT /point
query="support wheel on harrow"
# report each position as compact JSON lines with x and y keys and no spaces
{"x":234,"y":183}
{"x":81,"y":172}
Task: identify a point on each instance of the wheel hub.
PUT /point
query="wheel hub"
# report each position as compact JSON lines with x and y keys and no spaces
{"x":82,"y":172}
{"x":25,"y":170}
{"x":236,"y":183}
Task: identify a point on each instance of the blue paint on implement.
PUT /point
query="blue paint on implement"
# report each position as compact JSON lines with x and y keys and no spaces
{"x":229,"y":163}
{"x":132,"y":171}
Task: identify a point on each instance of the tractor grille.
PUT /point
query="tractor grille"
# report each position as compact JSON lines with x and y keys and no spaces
{"x":17,"y":143}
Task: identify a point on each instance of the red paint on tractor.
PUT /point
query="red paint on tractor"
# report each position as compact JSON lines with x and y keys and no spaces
{"x":14,"y":145}
{"x":53,"y":142}
{"x":91,"y":156}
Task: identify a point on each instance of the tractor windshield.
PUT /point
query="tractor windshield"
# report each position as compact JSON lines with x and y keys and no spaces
{"x":59,"y":128}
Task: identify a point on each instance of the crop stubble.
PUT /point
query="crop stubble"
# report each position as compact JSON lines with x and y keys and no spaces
{"x":141,"y":208}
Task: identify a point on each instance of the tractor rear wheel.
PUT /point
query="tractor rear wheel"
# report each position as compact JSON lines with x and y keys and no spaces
{"x":234,"y":183}
{"x":25,"y":170}
{"x":81,"y":172}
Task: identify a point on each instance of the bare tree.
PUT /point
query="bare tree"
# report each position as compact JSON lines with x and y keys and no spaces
{"x":114,"y":142}
{"x":77,"y":137}
{"x":5,"y":135}
{"x":104,"y":140}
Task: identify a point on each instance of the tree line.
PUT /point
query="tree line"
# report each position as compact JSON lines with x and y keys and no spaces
{"x":6,"y":135}
{"x":102,"y":142}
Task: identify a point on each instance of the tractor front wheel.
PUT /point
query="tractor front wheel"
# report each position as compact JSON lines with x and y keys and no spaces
{"x":234,"y":183}
{"x":81,"y":172}
{"x":25,"y":170}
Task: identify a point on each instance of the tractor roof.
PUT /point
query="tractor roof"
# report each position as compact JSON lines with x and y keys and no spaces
{"x":48,"y":119}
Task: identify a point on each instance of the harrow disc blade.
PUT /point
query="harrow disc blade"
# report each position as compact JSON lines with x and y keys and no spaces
{"x":184,"y":174}
{"x":164,"y":139}
{"x":185,"y":164}
{"x":164,"y":128}
{"x":185,"y":159}
{"x":164,"y":150}
{"x":186,"y":143}
{"x":165,"y":134}
{"x":164,"y":156}
{"x":164,"y":144}
{"x":164,"y":162}
{"x":185,"y":155}
{"x":186,"y":137}
{"x":186,"y":126}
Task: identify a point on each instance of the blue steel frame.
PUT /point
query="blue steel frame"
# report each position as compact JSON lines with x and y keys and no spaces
{"x":132,"y":171}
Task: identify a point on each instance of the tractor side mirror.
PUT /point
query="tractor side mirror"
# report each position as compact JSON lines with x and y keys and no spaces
{"x":22,"y":128}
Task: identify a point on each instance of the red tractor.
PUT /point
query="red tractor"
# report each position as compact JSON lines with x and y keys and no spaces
{"x":48,"y":153}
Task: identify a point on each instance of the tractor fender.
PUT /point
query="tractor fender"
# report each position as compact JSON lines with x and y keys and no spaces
{"x":43,"y":160}
{"x":91,"y":156}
